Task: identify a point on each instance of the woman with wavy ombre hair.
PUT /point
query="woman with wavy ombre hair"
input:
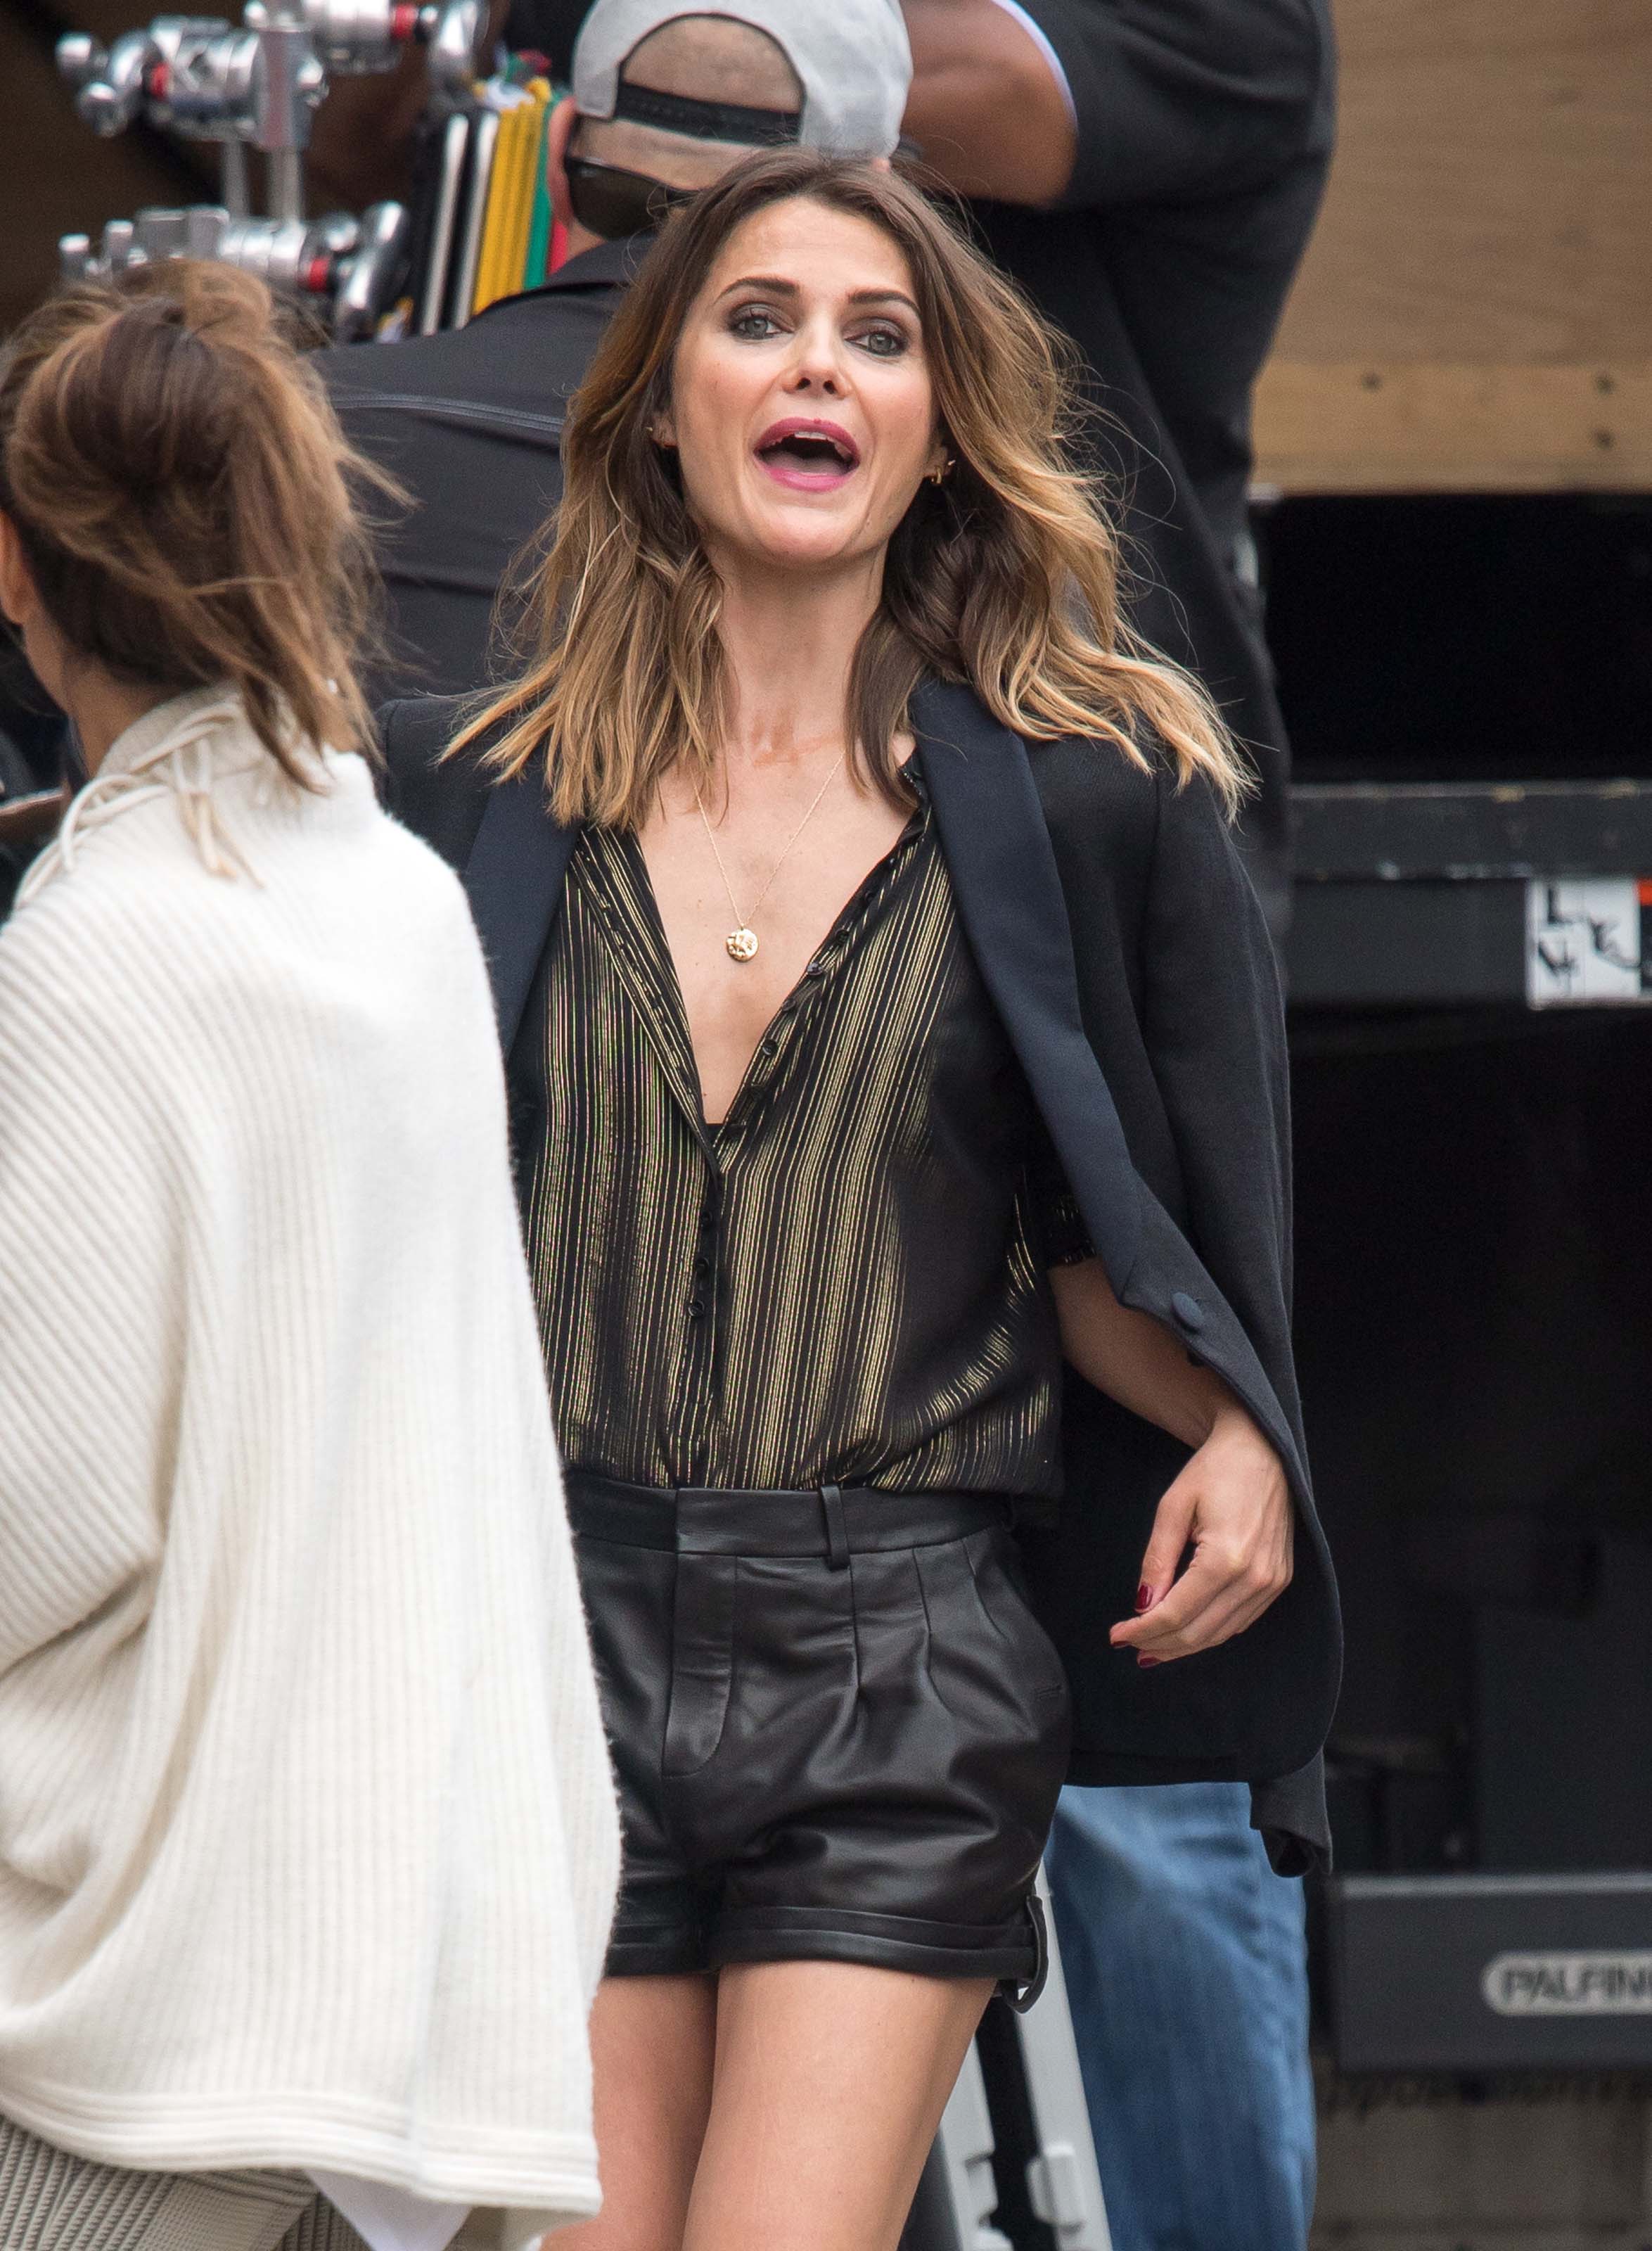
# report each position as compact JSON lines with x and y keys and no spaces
{"x":898,"y":1075}
{"x":1003,"y":572}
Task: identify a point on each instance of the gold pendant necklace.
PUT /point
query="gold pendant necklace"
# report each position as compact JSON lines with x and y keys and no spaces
{"x":741,"y":944}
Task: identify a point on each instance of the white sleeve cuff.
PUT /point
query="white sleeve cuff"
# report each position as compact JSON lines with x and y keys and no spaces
{"x":1040,"y":40}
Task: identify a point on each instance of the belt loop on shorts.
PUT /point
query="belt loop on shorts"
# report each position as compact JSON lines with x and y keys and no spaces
{"x":837,"y":1531}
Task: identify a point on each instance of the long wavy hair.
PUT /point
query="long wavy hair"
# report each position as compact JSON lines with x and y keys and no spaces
{"x":1005,"y":577}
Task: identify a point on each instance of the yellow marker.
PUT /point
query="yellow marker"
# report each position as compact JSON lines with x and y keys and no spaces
{"x":520,"y":209}
{"x":481,"y":294}
{"x":495,"y":224}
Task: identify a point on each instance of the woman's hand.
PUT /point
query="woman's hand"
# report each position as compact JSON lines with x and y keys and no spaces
{"x":1231,"y":1502}
{"x":1232,"y":1505}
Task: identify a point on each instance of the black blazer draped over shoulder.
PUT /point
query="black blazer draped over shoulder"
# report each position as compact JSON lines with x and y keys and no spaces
{"x":1121,"y":944}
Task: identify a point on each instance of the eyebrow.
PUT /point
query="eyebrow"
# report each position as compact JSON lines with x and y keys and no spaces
{"x":781,"y":286}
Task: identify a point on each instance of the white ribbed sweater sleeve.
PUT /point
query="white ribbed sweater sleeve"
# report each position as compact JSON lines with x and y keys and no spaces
{"x":308,"y":1841}
{"x":93,"y":1335}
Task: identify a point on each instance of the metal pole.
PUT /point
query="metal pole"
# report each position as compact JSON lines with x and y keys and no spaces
{"x":236,"y":194}
{"x":286,"y":183}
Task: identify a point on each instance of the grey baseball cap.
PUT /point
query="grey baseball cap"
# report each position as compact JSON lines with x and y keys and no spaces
{"x":851,"y":57}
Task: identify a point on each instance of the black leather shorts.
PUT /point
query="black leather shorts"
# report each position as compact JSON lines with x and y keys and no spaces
{"x":838,"y":1731}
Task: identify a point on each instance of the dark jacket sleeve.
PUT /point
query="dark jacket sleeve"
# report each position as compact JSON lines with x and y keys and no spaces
{"x":1213,"y":1019}
{"x":1183,"y":99}
{"x":1292,"y":1817}
{"x":1212,"y":1023}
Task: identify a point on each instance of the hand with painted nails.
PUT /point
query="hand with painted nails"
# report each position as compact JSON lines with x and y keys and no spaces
{"x":1230,"y":1514}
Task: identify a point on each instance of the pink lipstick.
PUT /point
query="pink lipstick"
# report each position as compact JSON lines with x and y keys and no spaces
{"x":807,"y":454}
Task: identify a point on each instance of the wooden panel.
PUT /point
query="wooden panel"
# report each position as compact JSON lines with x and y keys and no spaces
{"x":1359,"y":427}
{"x":1492,"y":195}
{"x":1474,"y":312}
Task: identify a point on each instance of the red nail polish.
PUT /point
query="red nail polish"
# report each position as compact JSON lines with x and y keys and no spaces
{"x":1146,"y":1662}
{"x":1143,"y":1596}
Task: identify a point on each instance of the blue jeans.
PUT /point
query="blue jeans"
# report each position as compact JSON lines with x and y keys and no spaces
{"x":1187,"y":1975}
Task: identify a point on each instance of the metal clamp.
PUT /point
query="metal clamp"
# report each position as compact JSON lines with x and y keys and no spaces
{"x":257,"y":85}
{"x":348,"y":267}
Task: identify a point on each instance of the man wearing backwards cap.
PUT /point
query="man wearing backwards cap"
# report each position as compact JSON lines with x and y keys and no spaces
{"x":850,"y":65}
{"x":471,"y":421}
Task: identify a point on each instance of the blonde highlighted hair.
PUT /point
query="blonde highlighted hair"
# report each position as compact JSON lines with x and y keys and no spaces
{"x":185,"y":499}
{"x":1005,"y":577}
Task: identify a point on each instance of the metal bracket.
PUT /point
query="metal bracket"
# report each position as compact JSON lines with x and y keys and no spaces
{"x":957,"y":2198}
{"x":257,"y":85}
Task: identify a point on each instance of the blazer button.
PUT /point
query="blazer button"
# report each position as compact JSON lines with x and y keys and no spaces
{"x":1188,"y":1311}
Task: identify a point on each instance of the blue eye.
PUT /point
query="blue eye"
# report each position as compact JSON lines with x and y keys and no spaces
{"x":754,"y":323}
{"x":883,"y":344}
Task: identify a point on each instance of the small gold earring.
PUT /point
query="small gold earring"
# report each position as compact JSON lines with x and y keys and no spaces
{"x":942,"y":470}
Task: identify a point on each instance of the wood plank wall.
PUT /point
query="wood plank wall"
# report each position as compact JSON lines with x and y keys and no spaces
{"x":1474,"y":313}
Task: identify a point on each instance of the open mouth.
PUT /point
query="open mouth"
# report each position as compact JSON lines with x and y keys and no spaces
{"x":809,"y":455}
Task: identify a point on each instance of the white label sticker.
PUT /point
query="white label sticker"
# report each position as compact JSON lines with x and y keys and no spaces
{"x":1584,"y":942}
{"x":1569,"y":1984}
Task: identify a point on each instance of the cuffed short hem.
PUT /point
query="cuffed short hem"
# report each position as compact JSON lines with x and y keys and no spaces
{"x":1009,"y":1953}
{"x":883,"y":1941}
{"x":656,"y":1950}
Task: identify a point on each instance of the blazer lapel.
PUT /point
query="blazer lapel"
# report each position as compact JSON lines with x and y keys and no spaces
{"x":1009,"y":896}
{"x":512,"y":879}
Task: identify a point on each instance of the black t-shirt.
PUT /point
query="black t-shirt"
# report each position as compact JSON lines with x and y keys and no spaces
{"x":470,"y":420}
{"x":1205,"y":131}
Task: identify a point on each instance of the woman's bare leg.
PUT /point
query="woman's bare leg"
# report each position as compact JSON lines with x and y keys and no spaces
{"x":652,"y":2044}
{"x":830,"y":2082}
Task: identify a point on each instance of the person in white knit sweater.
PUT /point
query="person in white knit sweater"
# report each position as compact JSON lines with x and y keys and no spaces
{"x":308,"y":1837}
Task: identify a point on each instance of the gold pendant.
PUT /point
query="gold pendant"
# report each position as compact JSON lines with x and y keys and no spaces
{"x":742,"y":944}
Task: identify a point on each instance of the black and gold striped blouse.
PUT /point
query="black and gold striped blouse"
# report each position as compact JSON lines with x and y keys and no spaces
{"x":844,"y":1281}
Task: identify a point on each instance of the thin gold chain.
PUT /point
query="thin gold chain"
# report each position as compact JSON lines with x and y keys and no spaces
{"x":711,"y":838}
